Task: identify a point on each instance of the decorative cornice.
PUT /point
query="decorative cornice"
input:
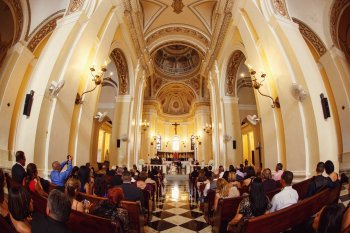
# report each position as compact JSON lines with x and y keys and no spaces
{"x":312,"y":37}
{"x":123,"y":74}
{"x":281,"y":8}
{"x":42,"y":33}
{"x":232,"y":68}
{"x":133,"y":20}
{"x":74,"y":6}
{"x":218,"y":35}
{"x":57,"y":15}
{"x":337,"y":7}
{"x":165,"y":31}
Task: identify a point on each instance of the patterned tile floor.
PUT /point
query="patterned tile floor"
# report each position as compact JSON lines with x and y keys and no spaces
{"x":176,"y":212}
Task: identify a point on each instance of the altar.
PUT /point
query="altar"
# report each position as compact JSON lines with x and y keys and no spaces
{"x":168,"y":167}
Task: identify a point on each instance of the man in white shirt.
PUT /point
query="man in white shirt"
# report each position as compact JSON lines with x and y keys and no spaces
{"x":288,"y":196}
{"x":277,"y":176}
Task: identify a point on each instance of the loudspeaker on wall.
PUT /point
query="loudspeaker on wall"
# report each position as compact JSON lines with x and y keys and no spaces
{"x":28,"y":103}
{"x":234,"y":144}
{"x":118,"y":143}
{"x":325,"y":106}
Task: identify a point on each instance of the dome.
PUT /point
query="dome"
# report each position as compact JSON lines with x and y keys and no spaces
{"x":176,"y":60}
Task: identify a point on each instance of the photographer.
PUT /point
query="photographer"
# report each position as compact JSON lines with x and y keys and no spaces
{"x":57,"y":176}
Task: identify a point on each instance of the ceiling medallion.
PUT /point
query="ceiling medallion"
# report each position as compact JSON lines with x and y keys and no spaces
{"x":177,"y":5}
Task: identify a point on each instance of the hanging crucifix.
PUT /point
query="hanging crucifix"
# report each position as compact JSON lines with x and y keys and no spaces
{"x":175,"y":125}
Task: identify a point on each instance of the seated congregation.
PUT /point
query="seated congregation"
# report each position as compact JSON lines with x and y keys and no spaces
{"x":80,"y":199}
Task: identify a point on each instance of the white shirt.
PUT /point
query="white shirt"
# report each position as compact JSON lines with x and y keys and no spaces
{"x":287,"y":197}
{"x":277,"y":176}
{"x":221,"y":174}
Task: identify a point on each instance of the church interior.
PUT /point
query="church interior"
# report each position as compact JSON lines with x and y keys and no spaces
{"x":176,"y":86}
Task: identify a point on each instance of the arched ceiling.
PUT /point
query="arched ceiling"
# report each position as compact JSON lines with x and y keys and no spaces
{"x":181,"y":38}
{"x":176,"y":99}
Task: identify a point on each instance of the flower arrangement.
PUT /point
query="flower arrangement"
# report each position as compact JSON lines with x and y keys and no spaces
{"x":141,"y":162}
{"x":211,"y":162}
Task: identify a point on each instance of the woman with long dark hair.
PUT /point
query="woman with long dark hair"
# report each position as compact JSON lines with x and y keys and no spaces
{"x":329,"y":219}
{"x":84,"y":178}
{"x":256,"y":204}
{"x":249,"y":177}
{"x":100,"y":186}
{"x":32,"y":180}
{"x":20,"y":208}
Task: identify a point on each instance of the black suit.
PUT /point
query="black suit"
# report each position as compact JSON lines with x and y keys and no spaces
{"x":43,"y":224}
{"x":18,"y":173}
{"x":132,"y":193}
{"x":116,"y":180}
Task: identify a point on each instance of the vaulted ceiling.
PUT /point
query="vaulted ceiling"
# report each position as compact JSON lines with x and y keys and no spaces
{"x":180,"y":38}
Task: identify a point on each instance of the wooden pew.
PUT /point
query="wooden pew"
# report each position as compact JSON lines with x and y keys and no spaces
{"x":39,"y":203}
{"x":91,"y":198}
{"x":227,"y":209}
{"x":291,"y":216}
{"x":136,"y":218}
{"x":87,"y":223}
{"x":302,"y":187}
{"x":78,"y":222}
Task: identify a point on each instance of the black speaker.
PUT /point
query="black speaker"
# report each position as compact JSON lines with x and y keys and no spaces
{"x":118,"y":143}
{"x":325,"y":106}
{"x":234,"y":144}
{"x":28,"y":103}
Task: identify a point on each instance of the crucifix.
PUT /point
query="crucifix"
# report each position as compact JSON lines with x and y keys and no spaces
{"x":175,"y":125}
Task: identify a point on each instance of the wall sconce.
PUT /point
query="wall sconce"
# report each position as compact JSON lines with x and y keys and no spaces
{"x":97,"y":79}
{"x":257,"y":85}
{"x":207,"y":128}
{"x":198,"y":137}
{"x":145,"y":125}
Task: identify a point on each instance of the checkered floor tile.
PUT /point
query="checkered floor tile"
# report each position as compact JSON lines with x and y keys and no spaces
{"x":176,"y":212}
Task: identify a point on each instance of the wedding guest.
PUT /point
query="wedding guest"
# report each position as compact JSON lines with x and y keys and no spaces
{"x":254,"y":205}
{"x":20,"y":207}
{"x":32,"y":180}
{"x":18,"y":170}
{"x":57,"y":213}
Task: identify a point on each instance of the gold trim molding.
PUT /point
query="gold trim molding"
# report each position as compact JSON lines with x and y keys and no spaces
{"x":123,"y":73}
{"x":235,"y":61}
{"x":312,"y":37}
{"x":42,"y":33}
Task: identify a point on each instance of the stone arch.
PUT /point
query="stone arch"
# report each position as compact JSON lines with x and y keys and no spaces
{"x":235,"y":61}
{"x":309,"y":35}
{"x":120,"y":62}
{"x":11,"y":13}
{"x":340,"y":26}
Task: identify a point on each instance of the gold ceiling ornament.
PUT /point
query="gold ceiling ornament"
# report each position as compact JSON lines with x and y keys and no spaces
{"x":281,"y":8}
{"x":177,"y":5}
{"x":74,"y":6}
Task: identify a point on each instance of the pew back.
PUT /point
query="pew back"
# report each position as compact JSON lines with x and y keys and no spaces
{"x":288,"y":217}
{"x":87,"y":223}
{"x":136,"y":218}
{"x":227,"y":209}
{"x":302,"y":187}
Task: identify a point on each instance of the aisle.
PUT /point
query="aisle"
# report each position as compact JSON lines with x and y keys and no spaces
{"x":176,"y":212}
